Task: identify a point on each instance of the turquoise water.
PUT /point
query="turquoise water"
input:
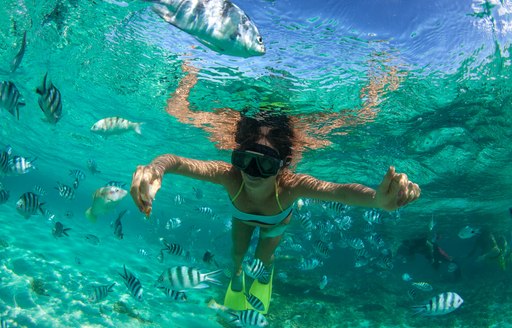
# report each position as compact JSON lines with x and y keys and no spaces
{"x":422,"y":86}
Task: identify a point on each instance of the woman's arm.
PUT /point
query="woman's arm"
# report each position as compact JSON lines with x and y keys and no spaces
{"x":147,"y":179}
{"x":394,"y":191}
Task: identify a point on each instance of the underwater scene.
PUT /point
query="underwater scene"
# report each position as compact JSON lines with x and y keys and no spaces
{"x":90,"y":90}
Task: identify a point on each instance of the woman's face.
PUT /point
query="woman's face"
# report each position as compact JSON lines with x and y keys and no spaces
{"x":261,"y":181}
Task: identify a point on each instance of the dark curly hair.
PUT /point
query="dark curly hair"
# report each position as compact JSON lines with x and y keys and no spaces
{"x":281,"y":133}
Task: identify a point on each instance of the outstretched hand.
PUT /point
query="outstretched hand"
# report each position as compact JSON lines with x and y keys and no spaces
{"x":146,"y":182}
{"x":396,"y":191}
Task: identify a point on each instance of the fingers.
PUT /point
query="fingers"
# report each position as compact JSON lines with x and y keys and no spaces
{"x":385,"y":185}
{"x":405,"y":190}
{"x":145,"y":184}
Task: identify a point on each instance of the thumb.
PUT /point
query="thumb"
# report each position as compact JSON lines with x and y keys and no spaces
{"x":386,"y":181}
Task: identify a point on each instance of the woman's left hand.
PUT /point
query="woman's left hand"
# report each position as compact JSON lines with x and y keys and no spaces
{"x":396,"y":191}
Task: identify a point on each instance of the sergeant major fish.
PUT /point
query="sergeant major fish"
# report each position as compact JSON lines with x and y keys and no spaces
{"x":104,"y":200}
{"x":19,"y":56}
{"x":115,"y":125}
{"x":20,"y":165}
{"x":132,"y":283}
{"x":4,"y":196}
{"x":100,"y":292}
{"x":182,"y":278}
{"x":50,"y":101}
{"x":10,"y":98}
{"x":218,"y":24}
{"x":118,"y":226}
{"x":441,"y":304}
{"x":29,"y":205}
{"x":255,"y":269}
{"x":65,"y":191}
{"x":59,"y":230}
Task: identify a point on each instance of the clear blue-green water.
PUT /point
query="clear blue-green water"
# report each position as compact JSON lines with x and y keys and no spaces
{"x":424,"y":86}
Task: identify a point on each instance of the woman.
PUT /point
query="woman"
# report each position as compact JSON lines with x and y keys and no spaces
{"x":262,"y":191}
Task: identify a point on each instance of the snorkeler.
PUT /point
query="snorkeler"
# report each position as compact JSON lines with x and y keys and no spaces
{"x":488,"y":247}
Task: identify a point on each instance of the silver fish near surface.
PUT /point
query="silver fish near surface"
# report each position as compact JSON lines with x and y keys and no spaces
{"x":29,"y":205}
{"x":99,"y":293}
{"x":132,"y":283}
{"x":50,"y":101}
{"x":441,"y":304}
{"x":182,"y":278}
{"x":218,"y":24}
{"x":115,"y":125}
{"x":59,"y":230}
{"x":19,"y":56}
{"x":10,"y":98}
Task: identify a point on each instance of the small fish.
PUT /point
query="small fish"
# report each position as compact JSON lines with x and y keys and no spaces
{"x":441,"y":304}
{"x":305,"y":221}
{"x":218,"y":24}
{"x":19,"y":56}
{"x":28,"y":205}
{"x":92,"y":239}
{"x":309,"y":264}
{"x":356,"y":243}
{"x":255,"y":302}
{"x":172,"y":248}
{"x":132,"y":283}
{"x":104,"y":200}
{"x":92,"y":166}
{"x":468,"y":232}
{"x":406,"y":277}
{"x":323,"y":282}
{"x":10,"y":98}
{"x":423,"y":286}
{"x":452,"y":267}
{"x":76,"y":184}
{"x":179,"y":199}
{"x":40,"y":191}
{"x":65,"y":191}
{"x":4,"y":160}
{"x":322,"y":248}
{"x":50,"y":101}
{"x":182,"y":278}
{"x":336,"y":207}
{"x":99,"y":293}
{"x":205,"y":210}
{"x":59,"y":230}
{"x":118,"y":227}
{"x":412,"y":293}
{"x":4,"y":196}
{"x":373,"y":216}
{"x":255,"y":269}
{"x":250,"y":318}
{"x":174,"y":294}
{"x":198,"y":192}
{"x":77,"y":174}
{"x":20,"y":165}
{"x":209,"y":257}
{"x":115,"y":125}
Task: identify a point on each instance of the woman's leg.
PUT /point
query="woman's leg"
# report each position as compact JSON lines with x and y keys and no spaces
{"x":241,"y":234}
{"x":266,"y":248}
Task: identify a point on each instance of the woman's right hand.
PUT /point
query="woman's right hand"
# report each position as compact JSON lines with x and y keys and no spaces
{"x":146,"y":182}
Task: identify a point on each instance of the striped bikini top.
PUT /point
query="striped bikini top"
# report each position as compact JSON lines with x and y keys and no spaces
{"x":256,"y":218}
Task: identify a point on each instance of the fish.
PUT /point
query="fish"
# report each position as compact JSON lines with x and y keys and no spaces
{"x":423,"y":286}
{"x":322,"y":248}
{"x":118,"y":227}
{"x":50,"y":101}
{"x":305,"y":221}
{"x":65,"y":191}
{"x":92,"y":166}
{"x":255,"y":302}
{"x":99,"y":293}
{"x":4,"y":160}
{"x":218,"y":24}
{"x":29,"y":204}
{"x":92,"y":239}
{"x":406,"y":277}
{"x":468,"y":232}
{"x":356,"y":243}
{"x":10,"y":98}
{"x":255,"y":269}
{"x":323,"y":282}
{"x":115,"y":125}
{"x":77,"y":174}
{"x":132,"y":283}
{"x":209,"y":257}
{"x":20,"y":165}
{"x":250,"y":318}
{"x":39,"y":190}
{"x":182,"y":278}
{"x":309,"y":264}
{"x":19,"y":56}
{"x":104,"y":200}
{"x":59,"y":230}
{"x":174,"y":294}
{"x":452,"y":267}
{"x":339,"y":208}
{"x":372,"y":216}
{"x":441,"y":304}
{"x":172,"y":248}
{"x":76,"y":184}
{"x":4,"y":196}
{"x":198,"y":193}
{"x":412,"y":293}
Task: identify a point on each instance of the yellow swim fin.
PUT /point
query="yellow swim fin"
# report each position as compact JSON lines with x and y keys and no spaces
{"x":236,"y":300}
{"x":263,"y":292}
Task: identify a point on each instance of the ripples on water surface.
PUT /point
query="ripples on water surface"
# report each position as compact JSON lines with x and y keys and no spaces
{"x":420,"y":85}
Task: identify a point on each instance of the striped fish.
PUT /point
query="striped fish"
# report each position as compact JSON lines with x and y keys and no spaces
{"x":255,"y":302}
{"x":29,"y":205}
{"x":99,"y":293}
{"x":19,"y":56}
{"x":174,"y":294}
{"x":50,"y":101}
{"x":115,"y":125}
{"x":4,"y":160}
{"x":172,"y":248}
{"x":65,"y":191}
{"x":182,"y":278}
{"x":10,"y":98}
{"x":441,"y":304}
{"x":218,"y":24}
{"x":372,"y":216}
{"x":322,"y":248}
{"x":250,"y":318}
{"x":336,"y":207}
{"x":255,"y":269}
{"x":423,"y":286}
{"x":305,"y":221}
{"x":309,"y":264}
{"x":118,"y":226}
{"x":132,"y":283}
{"x":77,"y":174}
{"x":4,"y":196}
{"x":20,"y":165}
{"x":39,"y":190}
